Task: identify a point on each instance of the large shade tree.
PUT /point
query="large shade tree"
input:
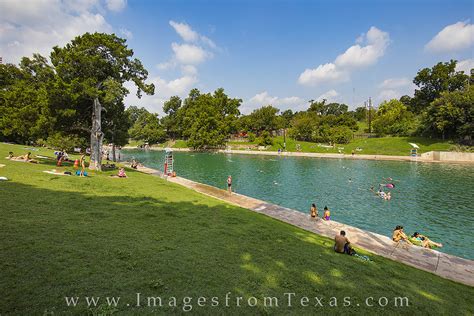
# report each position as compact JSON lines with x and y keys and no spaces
{"x":95,"y":66}
{"x":431,"y":82}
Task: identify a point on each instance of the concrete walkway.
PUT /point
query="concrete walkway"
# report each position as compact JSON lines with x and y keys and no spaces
{"x":444,"y":265}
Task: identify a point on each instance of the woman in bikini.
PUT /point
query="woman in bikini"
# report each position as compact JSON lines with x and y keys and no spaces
{"x":314,"y":211}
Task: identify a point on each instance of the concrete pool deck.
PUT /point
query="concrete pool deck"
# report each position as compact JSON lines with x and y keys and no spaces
{"x":444,"y":265}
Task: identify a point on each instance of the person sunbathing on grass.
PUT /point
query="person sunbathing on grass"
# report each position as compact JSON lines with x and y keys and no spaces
{"x":25,"y":157}
{"x":121,"y":174}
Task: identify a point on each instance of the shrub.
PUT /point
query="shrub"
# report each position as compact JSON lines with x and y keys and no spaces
{"x":251,"y":137}
{"x":341,"y":134}
{"x":265,"y":139}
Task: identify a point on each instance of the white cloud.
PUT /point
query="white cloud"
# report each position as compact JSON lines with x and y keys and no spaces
{"x":388,"y":94}
{"x":329,"y":96}
{"x":454,"y":37}
{"x":394,"y":88}
{"x":263,"y":99}
{"x":163,"y":91}
{"x":127,"y":33}
{"x":185,"y":31}
{"x":116,"y":5}
{"x":465,"y":65}
{"x":189,"y":54}
{"x":393,"y":83}
{"x":33,"y":26}
{"x":189,"y":70}
{"x":323,"y":73}
{"x":362,"y":56}
{"x":356,"y":56}
{"x":208,"y":41}
{"x":189,"y":35}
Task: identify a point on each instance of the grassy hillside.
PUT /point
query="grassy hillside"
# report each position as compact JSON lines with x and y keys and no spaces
{"x":398,"y":146}
{"x":100,"y":236}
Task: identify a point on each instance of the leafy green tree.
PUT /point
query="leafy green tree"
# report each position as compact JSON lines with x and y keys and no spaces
{"x":265,"y":139}
{"x":323,"y":108}
{"x":171,"y":121}
{"x":95,"y":65}
{"x":360,"y":113}
{"x":340,"y":134}
{"x":147,"y":128}
{"x":265,"y":119}
{"x":451,"y":115}
{"x":228,"y":109}
{"x":206,"y":127}
{"x":208,"y":120}
{"x":303,"y":125}
{"x":431,"y":82}
{"x":134,"y":112}
{"x":24,"y":100}
{"x":393,"y":118}
{"x":287,"y":116}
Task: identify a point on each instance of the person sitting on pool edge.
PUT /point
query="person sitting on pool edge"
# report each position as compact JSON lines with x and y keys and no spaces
{"x":399,"y":235}
{"x":425,"y":241}
{"x":342,"y":244}
{"x":314,"y":212}
{"x":327,"y":214}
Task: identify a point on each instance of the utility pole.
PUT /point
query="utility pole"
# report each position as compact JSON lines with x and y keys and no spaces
{"x":370,"y":115}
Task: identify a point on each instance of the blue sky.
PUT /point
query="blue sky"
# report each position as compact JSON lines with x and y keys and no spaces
{"x":265,"y":52}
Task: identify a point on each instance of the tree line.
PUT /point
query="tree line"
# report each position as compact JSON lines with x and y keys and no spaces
{"x":77,"y":100}
{"x":442,"y":107}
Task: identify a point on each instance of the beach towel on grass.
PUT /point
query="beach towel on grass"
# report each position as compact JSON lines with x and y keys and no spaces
{"x":56,"y":173}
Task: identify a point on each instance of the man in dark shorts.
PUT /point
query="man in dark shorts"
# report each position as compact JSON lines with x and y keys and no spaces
{"x":342,"y":243}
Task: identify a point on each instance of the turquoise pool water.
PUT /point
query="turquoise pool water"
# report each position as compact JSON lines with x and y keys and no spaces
{"x":434,"y":199}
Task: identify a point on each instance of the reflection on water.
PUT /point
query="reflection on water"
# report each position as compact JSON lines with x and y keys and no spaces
{"x":434,"y":199}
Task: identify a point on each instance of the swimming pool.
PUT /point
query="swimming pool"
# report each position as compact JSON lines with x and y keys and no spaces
{"x":434,"y":199}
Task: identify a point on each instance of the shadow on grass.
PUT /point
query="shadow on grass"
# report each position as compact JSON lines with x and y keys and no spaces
{"x":58,"y":243}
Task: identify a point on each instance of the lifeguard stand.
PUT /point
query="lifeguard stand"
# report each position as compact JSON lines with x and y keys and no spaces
{"x":169,"y":162}
{"x":414,"y":150}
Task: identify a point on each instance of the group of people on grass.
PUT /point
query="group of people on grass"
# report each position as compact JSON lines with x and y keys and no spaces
{"x":62,"y":156}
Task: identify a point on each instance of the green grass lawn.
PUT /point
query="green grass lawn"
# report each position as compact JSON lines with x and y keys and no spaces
{"x":100,"y":236}
{"x":394,"y":146}
{"x":397,"y":146}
